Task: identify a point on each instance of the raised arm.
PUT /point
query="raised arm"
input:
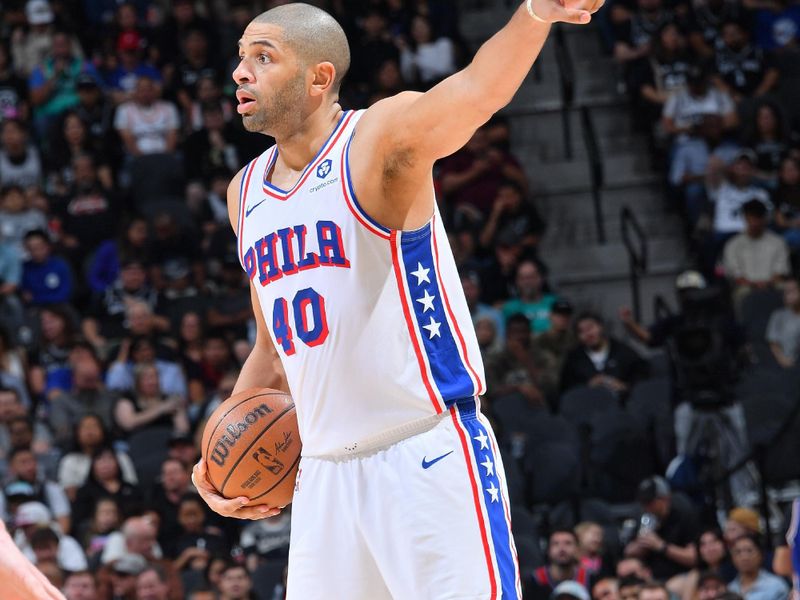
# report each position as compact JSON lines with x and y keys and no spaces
{"x":405,"y":134}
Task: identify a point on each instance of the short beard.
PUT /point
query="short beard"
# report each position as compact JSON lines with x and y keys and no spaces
{"x":273,"y":117}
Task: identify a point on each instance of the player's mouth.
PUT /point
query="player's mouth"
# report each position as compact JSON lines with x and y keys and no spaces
{"x":247,"y":102}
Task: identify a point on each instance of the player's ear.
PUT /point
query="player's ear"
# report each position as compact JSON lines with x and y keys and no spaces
{"x":324,"y":76}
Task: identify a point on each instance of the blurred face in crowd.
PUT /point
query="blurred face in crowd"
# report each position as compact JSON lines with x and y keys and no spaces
{"x":486,"y":332}
{"x":137,"y":233}
{"x":472,"y":290}
{"x":80,"y":586}
{"x":150,"y":587}
{"x":186,"y":453}
{"x":20,"y":433}
{"x":183,"y":11}
{"x":74,"y":130}
{"x":710,"y":589}
{"x":174,"y":476}
{"x":591,"y":540}
{"x":146,"y":91}
{"x":654,"y":594}
{"x":86,"y":376}
{"x":562,"y":549}
{"x":215,"y":352}
{"x":791,"y":294}
{"x":235,"y":584}
{"x":24,"y":466}
{"x":53,"y":325}
{"x":13,"y":138}
{"x":766,"y":120}
{"x":139,"y":319}
{"x":10,"y":406}
{"x":126,"y":16}
{"x":144,"y":353}
{"x":671,"y":39}
{"x":88,"y":96}
{"x":140,"y":536}
{"x":84,"y":171}
{"x":190,"y":328}
{"x":560,"y":321}
{"x":741,"y":172}
{"x":509,"y":195}
{"x":591,"y":334}
{"x":629,"y":592}
{"x":38,"y":248}
{"x":215,"y":571}
{"x":388,"y":76}
{"x":62,"y":47}
{"x":191,"y":516}
{"x":421,"y":30}
{"x":606,"y":589}
{"x":734,"y":36}
{"x":207,"y":90}
{"x":14,"y":201}
{"x":46,"y":552}
{"x":123,"y":584}
{"x":90,"y":432}
{"x":789,"y":172}
{"x":132,"y":277}
{"x":106,"y":516}
{"x":528,"y":280}
{"x":147,"y":382}
{"x":105,"y":466}
{"x":518,"y":332}
{"x":660,"y":507}
{"x":51,"y":570}
{"x":746,"y":556}
{"x":711,"y":548}
{"x":755,"y":225}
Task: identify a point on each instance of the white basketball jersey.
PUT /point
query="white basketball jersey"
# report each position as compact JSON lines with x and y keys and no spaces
{"x":370,"y":323}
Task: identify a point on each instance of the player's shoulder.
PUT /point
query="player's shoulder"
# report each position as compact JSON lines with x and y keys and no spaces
{"x":234,"y":189}
{"x":380,"y":115}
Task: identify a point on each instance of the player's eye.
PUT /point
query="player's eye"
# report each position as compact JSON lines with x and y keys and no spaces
{"x":263,"y":58}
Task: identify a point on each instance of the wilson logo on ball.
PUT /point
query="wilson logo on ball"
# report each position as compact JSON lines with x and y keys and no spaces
{"x":234,"y":431}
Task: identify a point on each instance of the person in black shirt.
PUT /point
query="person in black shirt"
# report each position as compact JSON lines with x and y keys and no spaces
{"x":13,"y":89}
{"x":743,"y":70}
{"x":669,"y":524}
{"x":562,"y":565}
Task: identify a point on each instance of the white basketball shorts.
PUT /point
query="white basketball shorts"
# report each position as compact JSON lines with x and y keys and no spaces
{"x":424,"y":518}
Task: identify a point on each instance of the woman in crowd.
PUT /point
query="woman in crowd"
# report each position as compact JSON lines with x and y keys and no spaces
{"x":426,"y":60}
{"x":71,"y":140}
{"x":149,"y":407}
{"x":767,"y":138}
{"x":90,"y":436}
{"x":133,"y":243}
{"x":713,"y":557}
{"x":106,"y":519}
{"x":105,"y":480}
{"x":51,"y":372}
{"x":752,"y":581}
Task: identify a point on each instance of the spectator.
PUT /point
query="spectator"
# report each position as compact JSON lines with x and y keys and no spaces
{"x":46,"y":279}
{"x":91,"y":434}
{"x":729,"y":193}
{"x":134,"y":354}
{"x":230,"y":308}
{"x":590,"y":546}
{"x":207,"y":93}
{"x":426,"y":60}
{"x":767,"y":138}
{"x":710,"y":586}
{"x":87,"y":396}
{"x":96,"y":111}
{"x":196,"y":63}
{"x":53,"y":82}
{"x":70,"y":141}
{"x":131,"y":246}
{"x":743,"y":70}
{"x":512,"y":215}
{"x":147,"y":124}
{"x":138,"y":536}
{"x":712,"y":559}
{"x":20,"y":164}
{"x":106,"y":520}
{"x":560,"y":338}
{"x":630,"y":587}
{"x":165,"y":497}
{"x":756,"y":258}
{"x":80,"y":585}
{"x":752,"y":581}
{"x":570,"y":590}
{"x":666,"y":543}
{"x":601,"y":361}
{"x":686,"y":107}
{"x":13,"y":89}
{"x":606,"y":589}
{"x":472,"y":176}
{"x":705,"y":22}
{"x":531,"y":298}
{"x":32,"y":48}
{"x":471,"y":284}
{"x":373,"y":46}
{"x":235,"y":583}
{"x":783,"y":329}
{"x":741,"y":521}
{"x":787,"y":202}
{"x":654,"y":591}
{"x":197,"y":542}
{"x":123,"y":574}
{"x":689,"y":166}
{"x":212,"y":146}
{"x":563,"y":565}
{"x":11,"y":311}
{"x":51,"y":370}
{"x":39,"y":538}
{"x":633,"y":37}
{"x":266,"y":540}
{"x":149,"y":407}
{"x":105,"y":480}
{"x":520,"y":367}
{"x":130,"y":67}
{"x":13,"y":367}
{"x":24,"y":469}
{"x":152,"y":584}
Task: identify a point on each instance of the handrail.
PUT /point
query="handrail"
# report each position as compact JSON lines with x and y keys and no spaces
{"x":637,"y":254}
{"x":596,"y":170}
{"x":566,"y":79}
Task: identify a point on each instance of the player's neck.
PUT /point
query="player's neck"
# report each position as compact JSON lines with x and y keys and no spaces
{"x":298,"y":148}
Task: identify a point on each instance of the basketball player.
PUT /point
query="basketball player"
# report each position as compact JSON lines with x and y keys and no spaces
{"x":401,"y":491}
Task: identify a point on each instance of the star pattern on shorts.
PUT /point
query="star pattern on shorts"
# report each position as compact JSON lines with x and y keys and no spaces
{"x":494,"y":492}
{"x":433,"y":328}
{"x":421,"y":274}
{"x":483,"y":440}
{"x":426,"y":301}
{"x":488,"y":465}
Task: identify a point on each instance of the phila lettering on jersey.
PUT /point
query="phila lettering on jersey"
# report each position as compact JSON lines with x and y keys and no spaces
{"x":371,"y":324}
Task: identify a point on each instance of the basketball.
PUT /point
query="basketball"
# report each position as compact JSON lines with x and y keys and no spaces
{"x":251,"y":446}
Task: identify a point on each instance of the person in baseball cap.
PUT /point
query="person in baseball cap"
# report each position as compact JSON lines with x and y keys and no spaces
{"x":741,"y":521}
{"x":570,"y":590}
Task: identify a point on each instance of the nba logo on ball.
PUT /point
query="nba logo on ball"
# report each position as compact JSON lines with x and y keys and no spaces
{"x":324,"y":168}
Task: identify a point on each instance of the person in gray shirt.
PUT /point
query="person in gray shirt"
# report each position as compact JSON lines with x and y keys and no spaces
{"x":783,"y":329}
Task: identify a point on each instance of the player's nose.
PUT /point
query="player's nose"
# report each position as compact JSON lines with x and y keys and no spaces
{"x":242,"y":73}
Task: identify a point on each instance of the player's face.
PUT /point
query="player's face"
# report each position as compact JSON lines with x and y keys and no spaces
{"x":271,"y":82}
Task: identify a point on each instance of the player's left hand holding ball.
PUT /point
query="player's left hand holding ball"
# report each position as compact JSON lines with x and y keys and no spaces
{"x":237,"y":508}
{"x":577,"y":12}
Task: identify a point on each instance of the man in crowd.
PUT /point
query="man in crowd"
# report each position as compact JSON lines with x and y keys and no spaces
{"x":562,"y":565}
{"x":80,"y":585}
{"x":606,"y":589}
{"x":666,"y":542}
{"x":152,"y":584}
{"x":783,"y":329}
{"x":235,"y":583}
{"x":46,"y":279}
{"x":24,"y":471}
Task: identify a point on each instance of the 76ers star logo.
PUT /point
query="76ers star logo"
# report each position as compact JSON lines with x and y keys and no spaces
{"x":324,"y":168}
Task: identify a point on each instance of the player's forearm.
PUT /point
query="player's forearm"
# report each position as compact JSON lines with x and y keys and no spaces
{"x":501,"y":64}
{"x":261,"y":369}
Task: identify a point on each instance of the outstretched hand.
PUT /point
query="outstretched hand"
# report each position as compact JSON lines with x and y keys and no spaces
{"x":238,"y":508}
{"x":577,"y":12}
{"x":19,"y":579}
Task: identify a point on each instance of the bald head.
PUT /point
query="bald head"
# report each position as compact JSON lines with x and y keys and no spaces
{"x":312,"y":34}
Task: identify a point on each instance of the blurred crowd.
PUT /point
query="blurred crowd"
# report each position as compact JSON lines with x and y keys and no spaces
{"x":125,"y":314}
